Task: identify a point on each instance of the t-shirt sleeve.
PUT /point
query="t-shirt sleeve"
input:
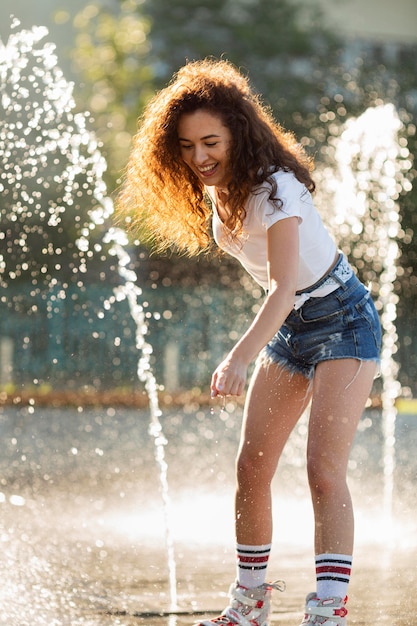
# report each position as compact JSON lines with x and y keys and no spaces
{"x":292,"y":194}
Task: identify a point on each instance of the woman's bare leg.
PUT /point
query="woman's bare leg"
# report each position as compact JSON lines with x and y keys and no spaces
{"x":275,"y":401}
{"x":340,"y":391}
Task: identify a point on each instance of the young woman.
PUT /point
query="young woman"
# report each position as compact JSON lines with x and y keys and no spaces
{"x":208,"y":154}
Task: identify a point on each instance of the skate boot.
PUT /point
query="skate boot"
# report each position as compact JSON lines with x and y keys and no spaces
{"x":329,"y":612}
{"x":248,"y":607}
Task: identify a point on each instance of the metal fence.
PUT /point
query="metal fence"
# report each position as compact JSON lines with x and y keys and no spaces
{"x":71,"y":339}
{"x":68,"y":339}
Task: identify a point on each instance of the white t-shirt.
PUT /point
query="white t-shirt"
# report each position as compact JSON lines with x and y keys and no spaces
{"x":317,"y":248}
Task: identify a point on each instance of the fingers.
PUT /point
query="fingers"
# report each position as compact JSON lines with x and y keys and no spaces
{"x":216,"y":388}
{"x":226,"y":383}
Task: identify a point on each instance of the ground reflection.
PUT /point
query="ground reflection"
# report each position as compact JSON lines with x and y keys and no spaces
{"x":82,"y":527}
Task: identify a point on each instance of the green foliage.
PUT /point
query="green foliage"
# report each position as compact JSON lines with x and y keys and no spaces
{"x":125,"y":56}
{"x":279,"y":43}
{"x":111,"y":53}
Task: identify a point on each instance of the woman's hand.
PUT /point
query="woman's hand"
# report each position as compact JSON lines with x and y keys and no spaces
{"x":229,"y":378}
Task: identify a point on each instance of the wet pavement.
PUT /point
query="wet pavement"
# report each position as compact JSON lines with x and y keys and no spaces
{"x":83,"y":527}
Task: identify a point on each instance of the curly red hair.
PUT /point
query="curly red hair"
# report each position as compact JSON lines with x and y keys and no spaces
{"x":162,"y":197}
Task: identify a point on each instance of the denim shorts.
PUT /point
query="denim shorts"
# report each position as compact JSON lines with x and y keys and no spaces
{"x":341,"y":325}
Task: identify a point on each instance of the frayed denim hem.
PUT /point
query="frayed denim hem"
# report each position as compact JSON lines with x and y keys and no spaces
{"x":268,"y":357}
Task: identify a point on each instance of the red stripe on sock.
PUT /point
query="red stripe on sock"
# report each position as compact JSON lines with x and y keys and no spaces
{"x":333,"y":569}
{"x":252,"y":559}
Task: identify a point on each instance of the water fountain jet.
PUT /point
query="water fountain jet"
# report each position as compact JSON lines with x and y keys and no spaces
{"x":370,"y":174}
{"x":43,"y":143}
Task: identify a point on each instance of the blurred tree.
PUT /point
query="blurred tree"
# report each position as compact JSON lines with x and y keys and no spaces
{"x":282,"y":44}
{"x":125,"y":53}
{"x":112,"y":56}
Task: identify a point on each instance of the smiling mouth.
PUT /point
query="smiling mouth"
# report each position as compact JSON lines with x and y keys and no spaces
{"x":206,"y":171}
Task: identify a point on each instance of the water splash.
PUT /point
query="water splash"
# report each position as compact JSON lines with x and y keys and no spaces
{"x":52,"y":180}
{"x":132,"y":293}
{"x":372,"y":160}
{"x":50,"y":168}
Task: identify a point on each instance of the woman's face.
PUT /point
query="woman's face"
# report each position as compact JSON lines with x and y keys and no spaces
{"x":205,"y":147}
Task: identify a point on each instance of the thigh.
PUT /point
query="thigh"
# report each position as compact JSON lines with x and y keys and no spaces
{"x":275,"y":401}
{"x":340,"y":390}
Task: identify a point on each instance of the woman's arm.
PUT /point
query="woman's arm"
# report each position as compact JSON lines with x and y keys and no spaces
{"x":229,"y":377}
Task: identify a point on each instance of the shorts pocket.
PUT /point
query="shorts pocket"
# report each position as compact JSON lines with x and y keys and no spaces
{"x":321,"y":309}
{"x":368,"y":312}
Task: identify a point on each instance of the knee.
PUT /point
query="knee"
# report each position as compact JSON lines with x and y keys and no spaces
{"x":325,"y":479}
{"x":252,"y":469}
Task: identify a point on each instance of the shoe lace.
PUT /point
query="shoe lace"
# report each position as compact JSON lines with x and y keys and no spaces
{"x":223,"y":620}
{"x":237,"y":594}
{"x":279,"y":585}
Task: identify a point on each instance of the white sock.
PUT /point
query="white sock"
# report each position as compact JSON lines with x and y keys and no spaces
{"x":252,"y":562}
{"x":333,"y":575}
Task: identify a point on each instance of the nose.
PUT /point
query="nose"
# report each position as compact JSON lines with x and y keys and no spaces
{"x":200,"y":154}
